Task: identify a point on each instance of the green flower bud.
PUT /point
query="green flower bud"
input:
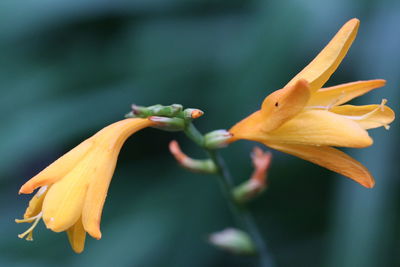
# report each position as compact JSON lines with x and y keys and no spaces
{"x":168,"y":124}
{"x":217,"y":139}
{"x":234,"y":241}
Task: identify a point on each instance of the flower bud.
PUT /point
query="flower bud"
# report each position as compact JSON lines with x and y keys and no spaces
{"x":138,"y":112}
{"x":194,"y":165}
{"x":234,"y":241}
{"x":257,"y":183}
{"x":168,"y":124}
{"x":173,"y":110}
{"x":248,"y":190}
{"x":192,"y":113}
{"x":166,"y":111}
{"x":217,"y":139}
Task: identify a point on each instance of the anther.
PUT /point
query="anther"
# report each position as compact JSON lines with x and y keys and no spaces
{"x":29,"y":233}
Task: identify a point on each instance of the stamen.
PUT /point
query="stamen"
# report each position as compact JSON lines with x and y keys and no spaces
{"x":330,"y":105}
{"x":28,"y":220}
{"x":29,"y":233}
{"x":383,"y":102}
{"x":30,"y":236}
{"x":381,"y":107}
{"x":336,"y":100}
{"x":317,"y":107}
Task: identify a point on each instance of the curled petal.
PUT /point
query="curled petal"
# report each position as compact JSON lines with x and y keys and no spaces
{"x":76,"y":236}
{"x":96,"y":195}
{"x":57,"y":169}
{"x":368,"y":116}
{"x":109,"y":142}
{"x":322,"y":67}
{"x":320,"y":128}
{"x":337,"y":95}
{"x":284,"y":104}
{"x":330,"y":158}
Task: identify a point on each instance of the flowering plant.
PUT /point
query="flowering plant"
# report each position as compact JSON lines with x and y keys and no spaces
{"x":302,"y":119}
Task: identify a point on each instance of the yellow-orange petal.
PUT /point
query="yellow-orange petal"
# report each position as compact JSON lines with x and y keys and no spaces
{"x":110,"y":138}
{"x":96,"y":196}
{"x":249,"y":128}
{"x":320,"y":128}
{"x":337,"y":95}
{"x":367,"y":116}
{"x":76,"y":236}
{"x":35,"y":204}
{"x":63,"y":204}
{"x":284,"y":104}
{"x":57,"y":169}
{"x":327,"y":61}
{"x":330,"y":158}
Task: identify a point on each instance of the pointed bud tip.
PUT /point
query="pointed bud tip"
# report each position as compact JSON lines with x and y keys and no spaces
{"x":25,"y":190}
{"x":173,"y":144}
{"x":176,"y":151}
{"x":197,"y":113}
{"x":135,"y":109}
{"x":174,"y":147}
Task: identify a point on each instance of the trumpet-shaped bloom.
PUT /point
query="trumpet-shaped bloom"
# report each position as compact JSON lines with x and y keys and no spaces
{"x":307,"y":121}
{"x":73,"y":189}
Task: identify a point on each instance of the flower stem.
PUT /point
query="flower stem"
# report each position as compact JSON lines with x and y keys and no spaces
{"x":242,"y":215}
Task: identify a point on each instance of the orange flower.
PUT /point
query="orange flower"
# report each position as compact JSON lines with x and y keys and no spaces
{"x":73,"y":189}
{"x":306,"y":121}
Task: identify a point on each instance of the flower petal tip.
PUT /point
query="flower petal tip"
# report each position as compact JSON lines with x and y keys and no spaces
{"x":96,"y":234}
{"x":370,"y":186}
{"x":77,"y":250}
{"x":302,"y":83}
{"x":25,"y":189}
{"x":370,"y":183}
{"x":382,"y":82}
{"x":366,"y":179}
{"x":93,"y":230}
{"x":352,"y":23}
{"x":368,"y":141}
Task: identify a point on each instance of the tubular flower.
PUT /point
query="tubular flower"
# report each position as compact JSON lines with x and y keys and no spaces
{"x":307,"y":121}
{"x":73,"y":189}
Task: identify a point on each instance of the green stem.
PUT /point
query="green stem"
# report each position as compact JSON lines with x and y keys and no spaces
{"x":193,"y":134}
{"x":242,"y":215}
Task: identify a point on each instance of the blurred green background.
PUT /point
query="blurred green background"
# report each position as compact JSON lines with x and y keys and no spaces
{"x":68,"y":68}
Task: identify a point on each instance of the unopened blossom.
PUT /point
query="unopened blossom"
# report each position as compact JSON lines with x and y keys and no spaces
{"x":307,"y":121}
{"x":73,"y":189}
